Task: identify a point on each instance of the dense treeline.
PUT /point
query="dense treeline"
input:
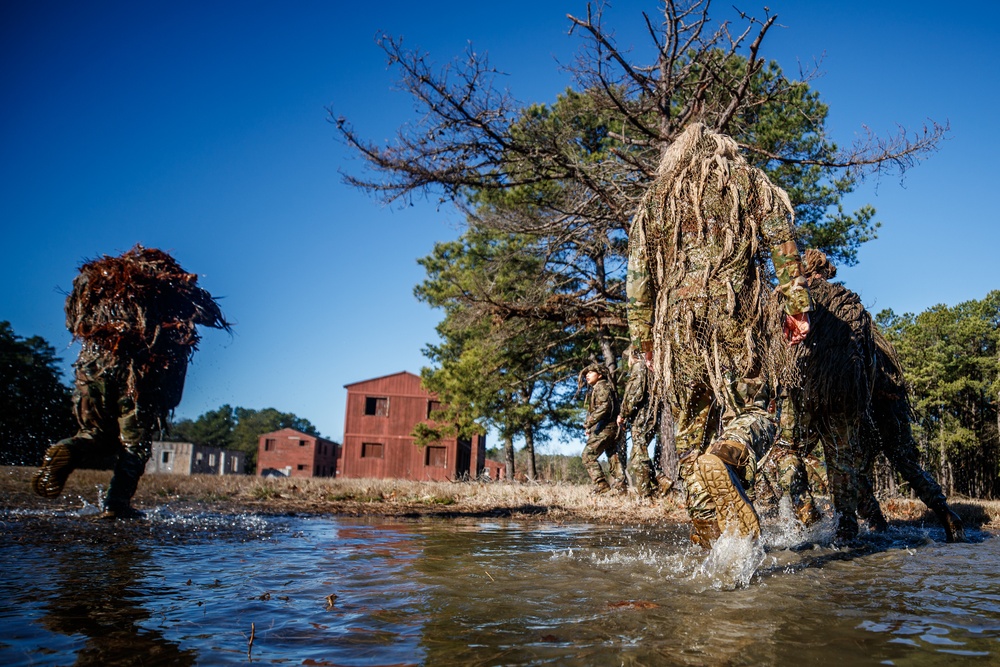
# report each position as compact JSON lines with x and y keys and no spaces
{"x":34,"y":402}
{"x":951,"y":360}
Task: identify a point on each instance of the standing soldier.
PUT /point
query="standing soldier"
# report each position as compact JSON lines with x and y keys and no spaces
{"x":641,"y":414}
{"x":601,"y":427}
{"x":136,"y":318}
{"x":698,"y":286}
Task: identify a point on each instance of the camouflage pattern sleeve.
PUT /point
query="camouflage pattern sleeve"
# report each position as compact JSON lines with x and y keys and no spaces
{"x":635,"y":390}
{"x":780,"y":234}
{"x":638,"y":288}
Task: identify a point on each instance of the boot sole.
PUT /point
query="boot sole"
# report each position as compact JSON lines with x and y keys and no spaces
{"x":731,"y":504}
{"x":49,"y":480}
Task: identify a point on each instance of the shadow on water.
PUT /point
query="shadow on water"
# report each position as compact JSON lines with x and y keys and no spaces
{"x":187,"y":589}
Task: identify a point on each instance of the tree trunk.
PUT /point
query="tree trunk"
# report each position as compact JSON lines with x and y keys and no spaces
{"x":529,"y":447}
{"x":508,"y":455}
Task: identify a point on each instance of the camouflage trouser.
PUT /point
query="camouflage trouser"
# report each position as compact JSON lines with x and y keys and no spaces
{"x":640,"y":468}
{"x":604,"y":442}
{"x":753,"y":428}
{"x":844,"y":463}
{"x":115,"y":425}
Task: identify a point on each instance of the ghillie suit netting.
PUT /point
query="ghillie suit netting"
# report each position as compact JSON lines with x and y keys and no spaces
{"x":142,"y":309}
{"x":832,"y":372}
{"x":707,"y":225}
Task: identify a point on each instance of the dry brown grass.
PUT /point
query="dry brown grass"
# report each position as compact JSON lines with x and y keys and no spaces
{"x":401,"y":498}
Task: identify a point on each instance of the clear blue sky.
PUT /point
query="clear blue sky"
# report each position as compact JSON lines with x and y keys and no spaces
{"x":201,"y":128}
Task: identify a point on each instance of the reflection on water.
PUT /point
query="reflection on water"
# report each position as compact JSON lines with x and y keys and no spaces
{"x":179,"y":590}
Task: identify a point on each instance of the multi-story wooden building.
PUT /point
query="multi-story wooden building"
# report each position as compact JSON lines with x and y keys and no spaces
{"x":378,"y":434}
{"x":292,"y":453}
{"x":186,"y":458}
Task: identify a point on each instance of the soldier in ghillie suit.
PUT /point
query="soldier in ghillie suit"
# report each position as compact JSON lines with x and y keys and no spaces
{"x":639,"y":414}
{"x":698,"y":287}
{"x":826,"y":390}
{"x":136,"y":318}
{"x":885,"y":422}
{"x":601,"y":427}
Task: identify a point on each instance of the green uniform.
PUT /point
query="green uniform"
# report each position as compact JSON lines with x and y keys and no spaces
{"x":602,"y":435}
{"x":118,"y":421}
{"x":641,"y":416}
{"x":698,"y":289}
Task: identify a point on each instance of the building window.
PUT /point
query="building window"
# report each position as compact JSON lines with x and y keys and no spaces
{"x":433,"y":407}
{"x":371,"y":450}
{"x":302,"y":443}
{"x":165,"y":458}
{"x":377,"y":406}
{"x":436,"y":457}
{"x":198,"y":457}
{"x":234,"y":464}
{"x":302,"y":466}
{"x":268,"y":444}
{"x":211,"y":459}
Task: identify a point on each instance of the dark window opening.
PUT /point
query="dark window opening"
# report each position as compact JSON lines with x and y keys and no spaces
{"x":377,"y":406}
{"x":268,"y":444}
{"x":436,"y":457}
{"x":371,"y":450}
{"x":432,"y":408}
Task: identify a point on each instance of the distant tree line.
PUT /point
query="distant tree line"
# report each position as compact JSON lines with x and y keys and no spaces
{"x":35,"y":408}
{"x":951,"y":359}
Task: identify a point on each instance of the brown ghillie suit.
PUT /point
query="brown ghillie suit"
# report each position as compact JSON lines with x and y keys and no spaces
{"x":845,"y":389}
{"x":136,"y":316}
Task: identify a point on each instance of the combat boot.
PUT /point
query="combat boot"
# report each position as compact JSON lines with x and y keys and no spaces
{"x":49,"y":480}
{"x":121,"y":512}
{"x":954,"y":529}
{"x":847,"y":530}
{"x":124,"y":482}
{"x":731,"y":503}
{"x":807,"y":513}
{"x":705,"y":532}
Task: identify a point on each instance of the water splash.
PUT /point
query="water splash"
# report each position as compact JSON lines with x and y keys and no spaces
{"x":787,"y":532}
{"x":733,"y":561}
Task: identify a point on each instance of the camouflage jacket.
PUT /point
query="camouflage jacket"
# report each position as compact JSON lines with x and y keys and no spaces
{"x":698,"y":251}
{"x":602,"y":406}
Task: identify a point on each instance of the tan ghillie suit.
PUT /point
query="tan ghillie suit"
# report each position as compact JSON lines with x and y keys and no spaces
{"x":698,"y":286}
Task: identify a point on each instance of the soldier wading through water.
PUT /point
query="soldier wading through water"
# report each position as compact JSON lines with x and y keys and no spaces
{"x":136,"y":318}
{"x":698,"y":286}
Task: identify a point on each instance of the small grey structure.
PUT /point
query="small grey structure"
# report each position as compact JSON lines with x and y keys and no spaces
{"x":187,"y":458}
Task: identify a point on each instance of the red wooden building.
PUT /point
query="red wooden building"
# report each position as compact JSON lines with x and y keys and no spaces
{"x":378,"y":440}
{"x":292,"y":453}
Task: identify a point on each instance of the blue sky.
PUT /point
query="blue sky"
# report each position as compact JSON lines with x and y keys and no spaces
{"x":201,"y":128}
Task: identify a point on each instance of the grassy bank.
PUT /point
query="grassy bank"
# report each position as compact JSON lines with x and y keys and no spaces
{"x":401,"y":498}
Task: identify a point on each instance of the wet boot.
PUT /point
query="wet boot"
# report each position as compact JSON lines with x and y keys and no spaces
{"x":705,"y":532}
{"x":732,"y":506}
{"x":847,"y":530}
{"x":600,"y":489}
{"x":954,"y":529}
{"x":124,"y":482}
{"x":807,"y":513}
{"x":49,"y":480}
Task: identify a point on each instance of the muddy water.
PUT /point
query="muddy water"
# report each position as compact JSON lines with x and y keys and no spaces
{"x":194,"y":589}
